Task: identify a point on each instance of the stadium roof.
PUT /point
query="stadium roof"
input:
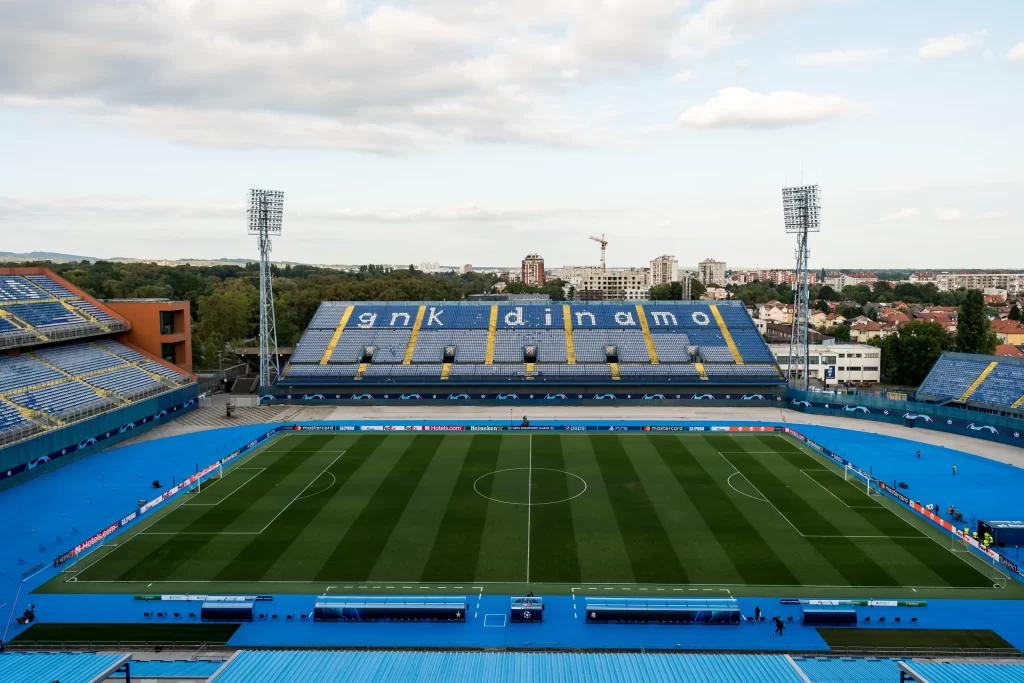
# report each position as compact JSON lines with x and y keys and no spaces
{"x":961,"y":672}
{"x":66,"y":667}
{"x":314,"y":666}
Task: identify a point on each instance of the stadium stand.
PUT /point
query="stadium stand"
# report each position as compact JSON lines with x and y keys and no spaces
{"x":59,"y":666}
{"x":683,"y":341}
{"x":60,"y":364}
{"x":986,"y":381}
{"x":502,"y":667}
{"x":79,"y":377}
{"x":36,"y":308}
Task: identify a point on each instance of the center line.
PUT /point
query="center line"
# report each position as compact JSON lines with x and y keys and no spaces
{"x":529,"y":509}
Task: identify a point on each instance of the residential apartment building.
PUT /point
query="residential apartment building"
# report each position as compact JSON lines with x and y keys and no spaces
{"x":664,"y":269}
{"x":839,"y":280}
{"x":834,"y":364}
{"x":533,"y":270}
{"x":591,"y":283}
{"x":711,"y":272}
{"x":1013,"y":283}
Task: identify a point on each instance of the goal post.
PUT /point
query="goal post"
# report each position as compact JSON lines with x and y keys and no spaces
{"x":870,"y":484}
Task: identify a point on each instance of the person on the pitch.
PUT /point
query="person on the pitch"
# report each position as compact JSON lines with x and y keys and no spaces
{"x":778,"y":625}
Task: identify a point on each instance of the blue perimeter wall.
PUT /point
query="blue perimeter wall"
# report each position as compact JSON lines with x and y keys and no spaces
{"x":62,"y":446}
{"x":47,"y":517}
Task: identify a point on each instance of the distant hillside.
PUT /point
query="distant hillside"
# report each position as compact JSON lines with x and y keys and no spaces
{"x":43,"y":256}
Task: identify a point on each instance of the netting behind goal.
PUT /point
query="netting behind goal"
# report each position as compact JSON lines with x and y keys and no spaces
{"x":868,"y":483}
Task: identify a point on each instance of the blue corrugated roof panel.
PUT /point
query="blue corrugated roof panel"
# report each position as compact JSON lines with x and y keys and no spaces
{"x":169,"y":669}
{"x":848,"y":670}
{"x":955,"y":672}
{"x":358,"y":667}
{"x":66,"y":667}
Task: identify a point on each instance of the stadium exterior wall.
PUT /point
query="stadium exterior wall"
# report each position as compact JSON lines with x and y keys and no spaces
{"x":910,"y":414}
{"x":44,"y":452}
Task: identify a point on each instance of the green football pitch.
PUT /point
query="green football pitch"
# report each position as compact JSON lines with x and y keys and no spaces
{"x":746,"y":514}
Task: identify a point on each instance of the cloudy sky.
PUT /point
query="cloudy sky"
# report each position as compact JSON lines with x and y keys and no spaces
{"x":458,"y":132}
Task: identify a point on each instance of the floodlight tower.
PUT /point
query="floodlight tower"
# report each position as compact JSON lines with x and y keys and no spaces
{"x":801,"y":209}
{"x":266,"y":208}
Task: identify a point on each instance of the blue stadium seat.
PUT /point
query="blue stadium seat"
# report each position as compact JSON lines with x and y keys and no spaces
{"x":17,"y":288}
{"x":45,"y":314}
{"x":78,"y":358}
{"x":17,"y":372}
{"x":57,"y":399}
{"x":51,"y":286}
{"x":124,"y":381}
{"x":953,"y":374}
{"x":677,"y":327}
{"x":1003,"y":386}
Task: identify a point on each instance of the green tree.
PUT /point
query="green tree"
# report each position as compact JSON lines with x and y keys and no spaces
{"x":973,"y":328}
{"x":1015,"y":313}
{"x":913,"y":351}
{"x":828,"y":294}
{"x":822,"y":306}
{"x":230,"y":311}
{"x":841,"y":333}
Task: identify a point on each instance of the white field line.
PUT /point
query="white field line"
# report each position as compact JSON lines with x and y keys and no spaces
{"x":258,"y":470}
{"x":302,"y":491}
{"x":825,"y":488}
{"x":761,"y":493}
{"x":897,"y":510}
{"x":529,"y":509}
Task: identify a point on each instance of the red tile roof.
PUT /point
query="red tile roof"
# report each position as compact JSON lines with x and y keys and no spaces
{"x":1009,"y":350}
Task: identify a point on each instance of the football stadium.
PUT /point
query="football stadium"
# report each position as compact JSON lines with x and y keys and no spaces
{"x":487,"y":490}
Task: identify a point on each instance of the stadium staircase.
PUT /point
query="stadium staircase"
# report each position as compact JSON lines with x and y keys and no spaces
{"x":84,"y":313}
{"x":1018,"y":403}
{"x":414,"y":335}
{"x":701,"y":372}
{"x":727,"y":335}
{"x":977,"y":382}
{"x":570,"y":346}
{"x":648,"y":339}
{"x":492,"y":332}
{"x":331,"y":345}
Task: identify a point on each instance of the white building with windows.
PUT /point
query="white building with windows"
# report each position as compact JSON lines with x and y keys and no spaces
{"x":853,"y":363}
{"x":664,"y":269}
{"x":613,"y":284}
{"x":711,"y":272}
{"x":1013,"y":283}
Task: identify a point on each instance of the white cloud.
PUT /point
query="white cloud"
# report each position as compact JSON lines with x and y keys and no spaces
{"x":842,"y":57}
{"x":721,"y":23}
{"x":949,"y":214}
{"x":130,"y":208}
{"x":935,"y":48}
{"x":742,"y":108}
{"x":742,"y":66}
{"x":684,"y":76}
{"x":991,"y":215}
{"x":901,"y":215}
{"x":1016,"y":53}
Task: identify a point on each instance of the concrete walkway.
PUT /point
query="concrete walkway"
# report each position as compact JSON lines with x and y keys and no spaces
{"x":213,"y":418}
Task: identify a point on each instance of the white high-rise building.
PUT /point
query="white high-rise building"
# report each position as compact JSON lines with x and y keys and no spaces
{"x":614,"y":284}
{"x":664,"y":269}
{"x":711,"y":272}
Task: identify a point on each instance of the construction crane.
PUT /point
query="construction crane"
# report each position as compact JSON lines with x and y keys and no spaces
{"x":604,"y":245}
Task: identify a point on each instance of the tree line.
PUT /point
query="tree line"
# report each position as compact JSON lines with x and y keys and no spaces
{"x":225,"y":298}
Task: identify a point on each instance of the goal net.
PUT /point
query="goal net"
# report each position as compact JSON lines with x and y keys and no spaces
{"x":866,"y":482}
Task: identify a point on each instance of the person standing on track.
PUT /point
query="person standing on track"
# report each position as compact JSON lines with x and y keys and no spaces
{"x":778,"y":625}
{"x":954,"y":470}
{"x":757,"y":613}
{"x":918,"y":453}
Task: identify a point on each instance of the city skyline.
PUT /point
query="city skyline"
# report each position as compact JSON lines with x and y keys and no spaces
{"x":423,"y":131}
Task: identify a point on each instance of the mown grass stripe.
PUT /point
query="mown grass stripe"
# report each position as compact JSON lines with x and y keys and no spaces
{"x":751,"y":555}
{"x":935,"y":558}
{"x":841,"y":552}
{"x":357,"y":551}
{"x":553,"y":554}
{"x":253,"y":561}
{"x":456,"y":547}
{"x":164,"y":561}
{"x":651,"y":554}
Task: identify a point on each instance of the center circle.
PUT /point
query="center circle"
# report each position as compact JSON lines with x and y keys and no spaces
{"x":530,"y":486}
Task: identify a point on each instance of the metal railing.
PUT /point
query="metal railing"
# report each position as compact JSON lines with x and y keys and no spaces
{"x":16,"y":338}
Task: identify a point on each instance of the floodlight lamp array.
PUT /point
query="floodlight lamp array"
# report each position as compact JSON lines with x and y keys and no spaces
{"x":266,"y":209}
{"x":801,"y":209}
